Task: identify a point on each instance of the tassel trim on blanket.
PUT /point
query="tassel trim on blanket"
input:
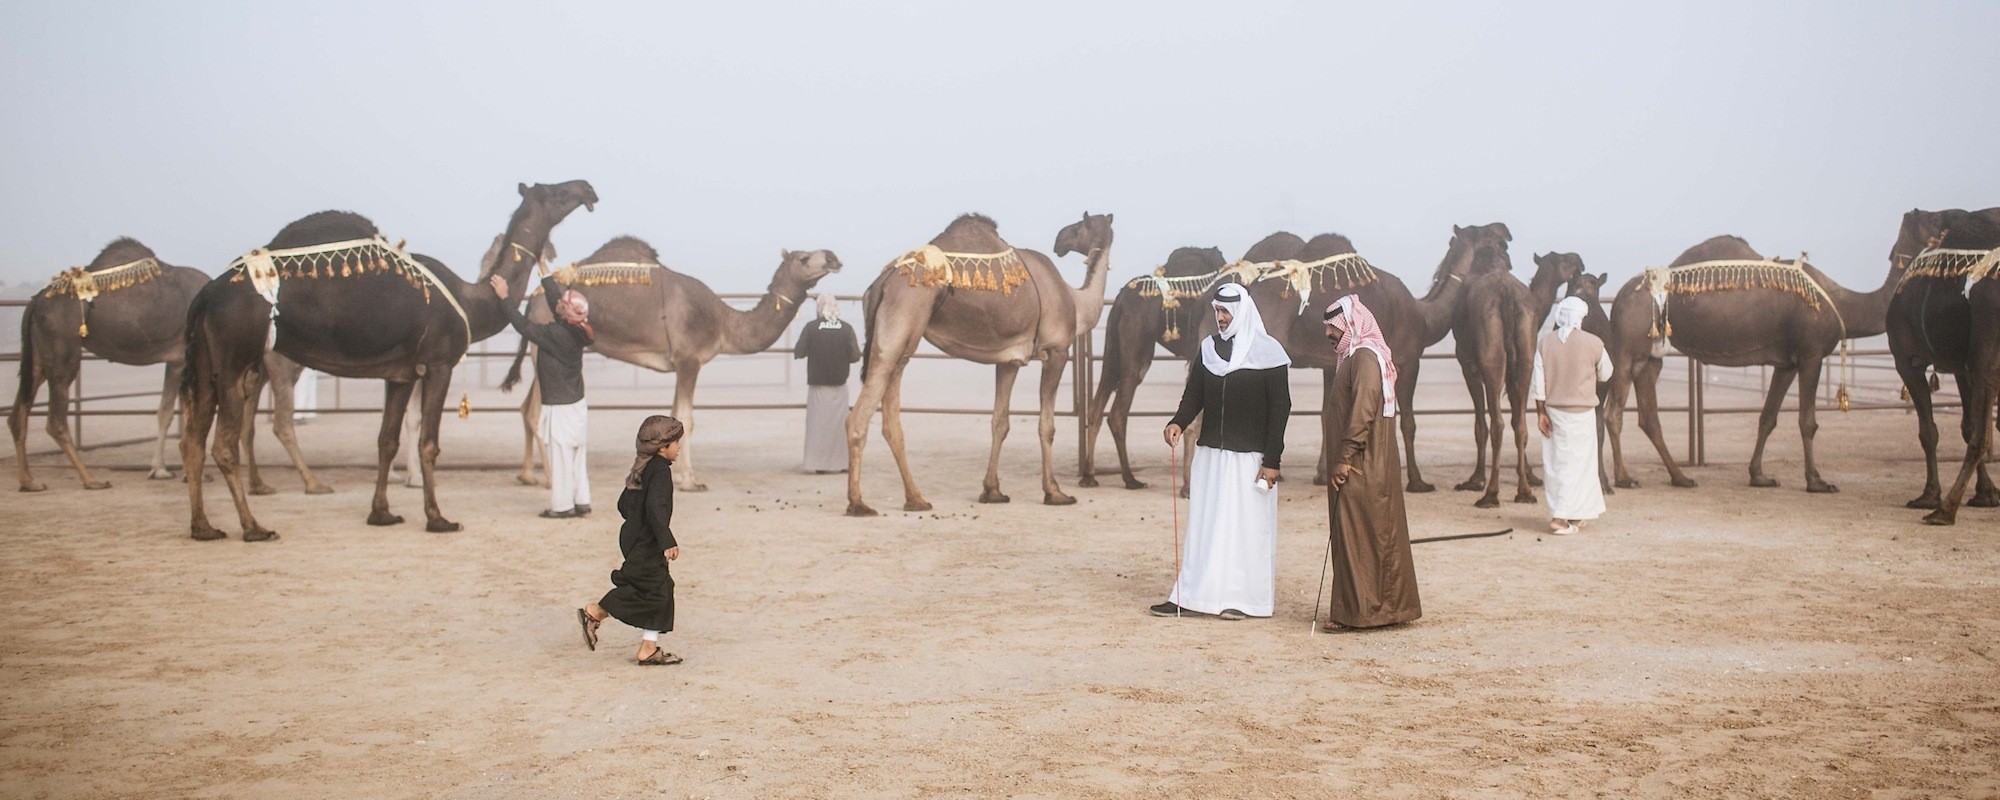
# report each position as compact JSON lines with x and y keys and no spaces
{"x":267,"y":270}
{"x":85,"y":285}
{"x":607,"y":273}
{"x":1734,"y":275}
{"x":1940,"y":264}
{"x":931,"y":267}
{"x":1341,"y":273}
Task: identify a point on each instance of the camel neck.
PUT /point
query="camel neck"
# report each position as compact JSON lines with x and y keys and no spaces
{"x":1543,"y":289}
{"x":1438,"y":307}
{"x":1090,"y":302}
{"x":758,"y":328}
{"x":1866,"y":313}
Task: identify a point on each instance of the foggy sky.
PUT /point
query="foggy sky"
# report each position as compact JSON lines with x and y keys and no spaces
{"x":722,"y":132}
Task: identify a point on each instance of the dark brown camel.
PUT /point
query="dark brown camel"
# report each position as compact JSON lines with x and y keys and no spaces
{"x":1935,"y":323}
{"x":1409,"y":323}
{"x":1790,"y":330}
{"x":1139,"y":320}
{"x":137,"y":316}
{"x":666,"y":321}
{"x":1589,"y":288}
{"x":982,"y":307}
{"x":388,"y":323}
{"x":1494,"y":338}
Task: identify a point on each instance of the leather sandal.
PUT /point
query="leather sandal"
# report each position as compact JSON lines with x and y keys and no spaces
{"x":589,"y":628}
{"x":658,"y":658}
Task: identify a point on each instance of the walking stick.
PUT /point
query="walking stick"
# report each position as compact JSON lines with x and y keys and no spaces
{"x":1320,"y":587}
{"x":1174,"y":492}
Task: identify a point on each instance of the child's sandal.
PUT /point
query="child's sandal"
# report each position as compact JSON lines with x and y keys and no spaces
{"x":589,"y":628}
{"x":659,"y":658}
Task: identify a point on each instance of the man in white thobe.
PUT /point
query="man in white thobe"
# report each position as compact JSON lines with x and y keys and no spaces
{"x":1569,"y":364}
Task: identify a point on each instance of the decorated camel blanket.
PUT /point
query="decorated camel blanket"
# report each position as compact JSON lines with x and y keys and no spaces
{"x":267,"y":270}
{"x":607,"y":273}
{"x":1938,"y":263}
{"x":85,"y":285}
{"x":930,"y":266}
{"x":1727,"y":275}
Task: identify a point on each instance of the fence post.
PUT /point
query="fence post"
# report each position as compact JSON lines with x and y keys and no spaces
{"x":1080,"y":400}
{"x":1694,"y":408}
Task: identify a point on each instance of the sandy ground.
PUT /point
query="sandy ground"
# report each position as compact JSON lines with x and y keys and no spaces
{"x":1723,"y":641}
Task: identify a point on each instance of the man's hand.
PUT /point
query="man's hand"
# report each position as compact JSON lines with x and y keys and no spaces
{"x":499,"y":285}
{"x":673,"y":552}
{"x":1547,"y":425}
{"x":1269,"y":475}
{"x":1173,"y":435}
{"x":1341,"y":472}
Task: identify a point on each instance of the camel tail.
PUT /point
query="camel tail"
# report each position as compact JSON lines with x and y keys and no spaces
{"x":1112,"y":363}
{"x":27,"y":355}
{"x":194,"y":357}
{"x":514,"y":370}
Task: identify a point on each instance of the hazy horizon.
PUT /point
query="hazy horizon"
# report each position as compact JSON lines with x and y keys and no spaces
{"x":721,"y":134}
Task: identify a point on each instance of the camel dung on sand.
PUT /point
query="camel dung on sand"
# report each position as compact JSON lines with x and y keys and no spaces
{"x":975,"y":297}
{"x":648,"y":315}
{"x":1945,"y":316}
{"x":127,"y":307}
{"x":330,"y":293}
{"x":1722,"y":303}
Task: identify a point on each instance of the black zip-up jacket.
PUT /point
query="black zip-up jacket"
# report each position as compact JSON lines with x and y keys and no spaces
{"x":558,"y":348}
{"x":1244,"y":411}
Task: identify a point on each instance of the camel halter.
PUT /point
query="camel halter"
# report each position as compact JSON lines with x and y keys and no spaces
{"x":267,"y":269}
{"x":930,"y":266}
{"x":86,"y":284}
{"x":1724,"y":275}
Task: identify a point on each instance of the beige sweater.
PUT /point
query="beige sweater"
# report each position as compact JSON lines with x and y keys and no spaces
{"x":1567,"y":373}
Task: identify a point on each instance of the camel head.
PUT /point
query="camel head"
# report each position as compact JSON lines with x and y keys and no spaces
{"x":807,"y":267}
{"x":1589,"y":287}
{"x":1472,"y":251}
{"x":1089,"y":236}
{"x":552,"y":202}
{"x":1555,"y":269}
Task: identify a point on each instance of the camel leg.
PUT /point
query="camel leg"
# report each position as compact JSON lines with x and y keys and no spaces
{"x":1517,"y":409}
{"x":232,"y":410}
{"x":1927,"y":431}
{"x":1977,"y":399}
{"x":197,"y":416}
{"x":1984,"y":495}
{"x":58,"y":426}
{"x":1120,"y":423}
{"x":1491,"y":387}
{"x":1809,"y":375}
{"x":1646,"y":382}
{"x":17,"y":424}
{"x":253,"y":398}
{"x":892,"y":433}
{"x":285,"y":424}
{"x":686,"y":374}
{"x":1477,"y":391}
{"x":874,"y":385}
{"x":1613,"y":420}
{"x":1003,"y":397}
{"x":1052,"y":373}
{"x":1406,"y":398}
{"x":395,"y":403}
{"x":1093,"y":418}
{"x":1324,"y":466}
{"x":531,"y":418}
{"x":1603,"y":477}
{"x":436,"y":387}
{"x":413,"y":456}
{"x":1774,"y":400}
{"x":170,"y":393}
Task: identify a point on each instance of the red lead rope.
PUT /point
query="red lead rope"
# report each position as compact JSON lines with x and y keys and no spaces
{"x":1174,"y":492}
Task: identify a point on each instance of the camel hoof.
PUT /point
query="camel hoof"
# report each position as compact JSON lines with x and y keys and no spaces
{"x":1822,"y":487}
{"x":319,"y":488}
{"x":442,"y":525}
{"x":1608,"y":489}
{"x":1764,"y":483}
{"x":1058,"y":499}
{"x":1984,"y":501}
{"x":260,"y":535}
{"x":205,"y":533}
{"x":860,"y":510}
{"x":694,"y":487}
{"x":261,"y":490}
{"x":994,"y":496}
{"x":1473,"y":485}
{"x":1524,"y":497}
{"x":1939,"y":517}
{"x":1132,"y":483}
{"x":1487,"y":502}
{"x":96,"y":485}
{"x":1684,"y":483}
{"x":1184,"y":493}
{"x":1087,"y":482}
{"x":1419,"y":487}
{"x":1319,"y":480}
{"x":1535,"y":481}
{"x":34,"y":487}
{"x":1926,"y":500}
{"x":919,"y":505}
{"x":380,"y":518}
{"x":159,"y":475}
{"x":526,"y":480}
{"x":1626,"y":483}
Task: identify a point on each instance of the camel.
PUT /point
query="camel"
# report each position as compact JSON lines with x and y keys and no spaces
{"x":1589,"y":288}
{"x":651,"y":316}
{"x":1937,"y":321}
{"x":1736,"y":316}
{"x":128,"y":307}
{"x":1409,"y":323}
{"x":402,"y":318}
{"x":1167,"y":312}
{"x":1494,"y":335}
{"x":975,"y":297}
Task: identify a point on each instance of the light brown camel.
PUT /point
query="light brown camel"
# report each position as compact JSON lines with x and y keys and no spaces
{"x":364,"y":310}
{"x":1494,"y":337}
{"x":1409,"y":323}
{"x":1935,"y":322}
{"x":283,"y":375}
{"x":126,"y":307}
{"x":975,"y":297}
{"x":651,"y":316}
{"x":1735,"y":316}
{"x":1150,"y":312}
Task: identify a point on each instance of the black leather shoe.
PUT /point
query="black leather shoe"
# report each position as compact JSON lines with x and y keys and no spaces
{"x":553,"y":514}
{"x":1171,"y":610}
{"x":1231,"y":614}
{"x":582,"y":510}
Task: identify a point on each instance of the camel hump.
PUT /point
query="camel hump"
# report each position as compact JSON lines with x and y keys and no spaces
{"x":1718,"y":248}
{"x":1323,"y":245}
{"x":971,"y":233}
{"x":122,"y":250}
{"x":627,"y":249}
{"x":1193,"y":261}
{"x":1275,"y":247}
{"x":322,"y":228}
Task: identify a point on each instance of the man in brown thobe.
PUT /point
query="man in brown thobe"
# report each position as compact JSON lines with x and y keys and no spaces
{"x":1374,"y":581}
